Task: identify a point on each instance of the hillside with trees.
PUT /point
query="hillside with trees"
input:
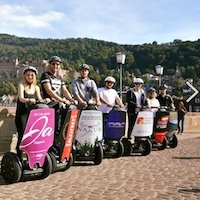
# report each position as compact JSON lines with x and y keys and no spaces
{"x":140,"y":59}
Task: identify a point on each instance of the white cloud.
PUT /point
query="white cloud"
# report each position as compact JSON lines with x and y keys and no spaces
{"x":120,"y":21}
{"x":23,"y":17}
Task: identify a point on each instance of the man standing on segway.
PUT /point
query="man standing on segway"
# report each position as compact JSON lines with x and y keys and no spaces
{"x":54,"y":88}
{"x":84,"y":89}
{"x":108,"y":96}
{"x":164,"y":98}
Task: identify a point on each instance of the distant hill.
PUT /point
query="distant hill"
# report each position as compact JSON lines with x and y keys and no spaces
{"x":182,"y":55}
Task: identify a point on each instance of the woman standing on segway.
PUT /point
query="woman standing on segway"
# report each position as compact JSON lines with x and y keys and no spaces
{"x":28,"y":94}
{"x":152,"y":101}
{"x":136,"y":98}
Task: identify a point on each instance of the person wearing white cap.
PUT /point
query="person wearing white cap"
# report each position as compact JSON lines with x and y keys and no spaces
{"x":136,"y":98}
{"x":108,"y":96}
{"x":28,"y":94}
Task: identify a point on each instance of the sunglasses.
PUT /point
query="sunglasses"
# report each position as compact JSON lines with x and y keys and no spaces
{"x":109,"y":82}
{"x":138,"y":83}
{"x":55,"y":63}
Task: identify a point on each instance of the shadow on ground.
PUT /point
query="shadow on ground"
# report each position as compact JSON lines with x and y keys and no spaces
{"x":186,"y":158}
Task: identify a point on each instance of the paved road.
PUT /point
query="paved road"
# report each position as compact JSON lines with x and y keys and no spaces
{"x":169,"y":174}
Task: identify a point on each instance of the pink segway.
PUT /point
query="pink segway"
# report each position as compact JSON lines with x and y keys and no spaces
{"x":34,"y":159}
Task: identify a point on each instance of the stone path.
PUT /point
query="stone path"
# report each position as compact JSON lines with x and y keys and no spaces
{"x":168,"y":174}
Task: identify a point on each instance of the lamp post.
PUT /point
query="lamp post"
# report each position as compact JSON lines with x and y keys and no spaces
{"x":120,"y":58}
{"x":159,"y":72}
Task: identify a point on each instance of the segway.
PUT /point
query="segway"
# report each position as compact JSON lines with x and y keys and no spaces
{"x":172,"y":140}
{"x":114,"y":130}
{"x":34,"y":159}
{"x":89,"y":136}
{"x":140,"y":136}
{"x":159,"y":139}
{"x":61,"y":151}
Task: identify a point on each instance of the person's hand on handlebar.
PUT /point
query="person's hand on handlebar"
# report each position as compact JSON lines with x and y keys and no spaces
{"x":98,"y":103}
{"x":32,"y":101}
{"x":66,"y":102}
{"x":83,"y":103}
{"x":110,"y":105}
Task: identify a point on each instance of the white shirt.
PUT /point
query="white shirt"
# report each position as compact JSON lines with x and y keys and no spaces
{"x":138,"y":95}
{"x":154,"y":104}
{"x":110,"y":95}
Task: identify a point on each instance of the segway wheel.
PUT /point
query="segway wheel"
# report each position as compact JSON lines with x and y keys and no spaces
{"x":54,"y":161}
{"x":98,"y":153}
{"x":120,"y":149}
{"x":11,"y":168}
{"x":127,"y":146}
{"x":47,"y":167}
{"x":147,"y":147}
{"x":164,"y":145}
{"x":70,"y":162}
{"x":74,"y":155}
{"x":173,"y":142}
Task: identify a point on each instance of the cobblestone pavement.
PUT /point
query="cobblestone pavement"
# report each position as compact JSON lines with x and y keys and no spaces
{"x":168,"y":174}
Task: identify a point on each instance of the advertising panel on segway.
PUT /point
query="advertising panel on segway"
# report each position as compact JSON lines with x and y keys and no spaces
{"x":61,"y":151}
{"x":140,"y":135}
{"x":114,"y":130}
{"x":34,"y":159}
{"x":89,"y":135}
{"x":158,"y":138}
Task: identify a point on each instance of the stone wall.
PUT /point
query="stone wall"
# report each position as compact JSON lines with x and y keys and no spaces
{"x":192,"y":122}
{"x":7,"y":127}
{"x":8,"y":130}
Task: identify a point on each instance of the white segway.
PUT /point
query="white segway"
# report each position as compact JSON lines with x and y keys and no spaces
{"x":140,"y":137}
{"x":89,"y":136}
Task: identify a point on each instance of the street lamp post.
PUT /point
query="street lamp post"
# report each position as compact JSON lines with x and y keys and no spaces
{"x":120,"y":58}
{"x":159,"y":72}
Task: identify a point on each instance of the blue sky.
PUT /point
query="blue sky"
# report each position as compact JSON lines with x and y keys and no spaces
{"x":121,"y":21}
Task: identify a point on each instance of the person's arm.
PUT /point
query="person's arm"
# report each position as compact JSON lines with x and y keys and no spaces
{"x":66,"y":93}
{"x":96,"y":93}
{"x":119,"y":101}
{"x":38,"y":93}
{"x":104,"y":101}
{"x":21,"y":94}
{"x":52,"y":94}
{"x":171,"y":103}
{"x":75,"y":92}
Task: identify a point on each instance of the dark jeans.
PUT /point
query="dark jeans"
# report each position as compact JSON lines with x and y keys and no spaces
{"x":131,"y":123}
{"x":181,"y":125}
{"x":20,"y":122}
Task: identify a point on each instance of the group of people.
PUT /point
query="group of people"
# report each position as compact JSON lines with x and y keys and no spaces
{"x":55,"y":93}
{"x":84,"y":91}
{"x":137,"y":98}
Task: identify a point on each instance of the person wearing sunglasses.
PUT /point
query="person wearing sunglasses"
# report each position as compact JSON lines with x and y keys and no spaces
{"x":55,"y":91}
{"x":136,"y":99}
{"x":108,"y":96}
{"x":164,"y":98}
